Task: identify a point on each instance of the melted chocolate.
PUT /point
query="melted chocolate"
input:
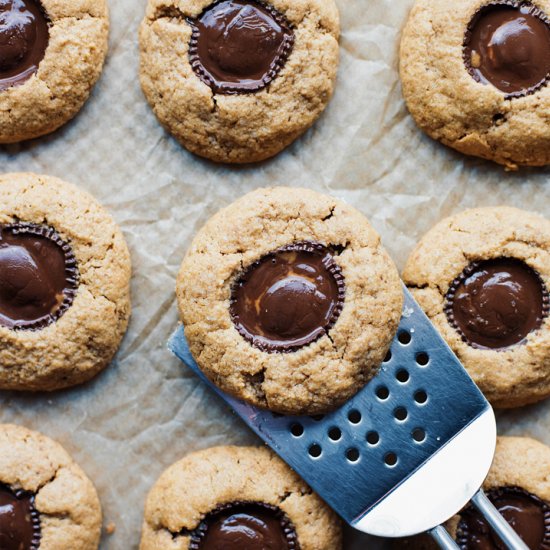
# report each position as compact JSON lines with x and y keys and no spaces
{"x":508,"y":45}
{"x":242,"y":525}
{"x":19,"y":520}
{"x":526,"y":513}
{"x":38,"y":276}
{"x":239,"y":46}
{"x":24,"y":38}
{"x":289,"y":298}
{"x":496,"y":303}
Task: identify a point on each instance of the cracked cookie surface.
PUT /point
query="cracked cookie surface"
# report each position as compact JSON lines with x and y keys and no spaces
{"x":71,"y":65}
{"x":453,"y":107}
{"x":198,"y":484}
{"x":243,"y":127}
{"x":65,"y":498}
{"x":82,"y":341}
{"x":516,"y":374}
{"x":324,"y":373}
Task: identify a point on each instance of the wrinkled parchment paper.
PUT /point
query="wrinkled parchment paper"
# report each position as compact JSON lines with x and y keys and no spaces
{"x":147,"y":410}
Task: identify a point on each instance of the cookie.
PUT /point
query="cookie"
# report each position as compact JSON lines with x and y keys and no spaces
{"x":519,"y":487}
{"x":64,"y":284}
{"x":483,"y":276}
{"x":236,"y":498}
{"x":475,"y":77}
{"x":46,"y":501}
{"x":289,"y":301}
{"x":237,"y":81}
{"x":51,"y":54}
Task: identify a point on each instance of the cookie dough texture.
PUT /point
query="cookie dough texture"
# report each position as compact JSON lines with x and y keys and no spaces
{"x":514,"y":376}
{"x":245,"y":127}
{"x":83,"y":341}
{"x":451,"y":107}
{"x":191,"y":488}
{"x":70,"y":513}
{"x":326,"y":373}
{"x":519,"y":462}
{"x":71,"y":66}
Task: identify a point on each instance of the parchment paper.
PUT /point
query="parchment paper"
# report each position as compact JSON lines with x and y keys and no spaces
{"x":147,"y":410}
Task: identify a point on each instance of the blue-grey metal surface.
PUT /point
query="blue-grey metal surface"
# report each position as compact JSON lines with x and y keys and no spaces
{"x":421,"y":398}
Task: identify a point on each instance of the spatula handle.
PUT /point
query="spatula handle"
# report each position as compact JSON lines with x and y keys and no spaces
{"x":499,"y":525}
{"x":443,"y":539}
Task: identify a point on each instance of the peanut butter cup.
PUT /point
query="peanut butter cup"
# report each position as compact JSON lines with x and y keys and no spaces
{"x":38,"y":276}
{"x":239,"y":46}
{"x":507,"y":44}
{"x":289,"y":298}
{"x":24,"y":38}
{"x":495,"y":304}
{"x":250,"y":525}
{"x":19,"y":520}
{"x":525,"y":512}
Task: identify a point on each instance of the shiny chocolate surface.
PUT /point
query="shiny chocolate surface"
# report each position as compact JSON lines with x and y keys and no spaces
{"x":508,"y":45}
{"x":526,"y":513}
{"x":250,"y":526}
{"x":38,"y":276}
{"x":24,"y":37}
{"x":289,"y":298}
{"x":19,"y":520}
{"x":239,"y":46}
{"x":497,"y":303}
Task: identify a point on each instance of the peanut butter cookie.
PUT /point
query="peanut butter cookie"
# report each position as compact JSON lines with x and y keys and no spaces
{"x":475,"y":77}
{"x":236,"y":498}
{"x":289,"y":300}
{"x":238,"y":80}
{"x":51,"y":54}
{"x":64,"y":284}
{"x":482,"y":276}
{"x":46,"y":500}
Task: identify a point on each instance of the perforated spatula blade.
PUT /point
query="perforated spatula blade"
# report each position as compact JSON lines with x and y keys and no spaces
{"x":405,"y":453}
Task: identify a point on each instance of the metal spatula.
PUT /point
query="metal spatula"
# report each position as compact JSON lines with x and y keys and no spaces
{"x":402,"y":456}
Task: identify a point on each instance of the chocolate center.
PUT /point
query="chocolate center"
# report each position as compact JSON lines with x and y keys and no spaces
{"x":496,"y":303}
{"x":508,"y":45}
{"x":289,"y":298}
{"x":19,"y":521}
{"x":526,"y":513}
{"x":239,"y":46}
{"x":250,"y":526}
{"x":38,"y":276}
{"x":23,"y":40}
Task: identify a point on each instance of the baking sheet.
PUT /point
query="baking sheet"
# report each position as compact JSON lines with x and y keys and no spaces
{"x":147,"y":410}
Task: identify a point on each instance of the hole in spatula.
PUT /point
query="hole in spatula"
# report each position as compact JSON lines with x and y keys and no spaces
{"x":404,"y":337}
{"x":335,"y":433}
{"x":421,"y":397}
{"x":390,"y":459}
{"x":352,"y":455}
{"x":373,"y":438}
{"x":387,"y":359}
{"x":382,"y":392}
{"x":401,"y":414}
{"x":422,"y":358}
{"x":315,"y":451}
{"x":354,"y":416}
{"x":297,"y":430}
{"x":402,"y":375}
{"x":419,"y":435}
